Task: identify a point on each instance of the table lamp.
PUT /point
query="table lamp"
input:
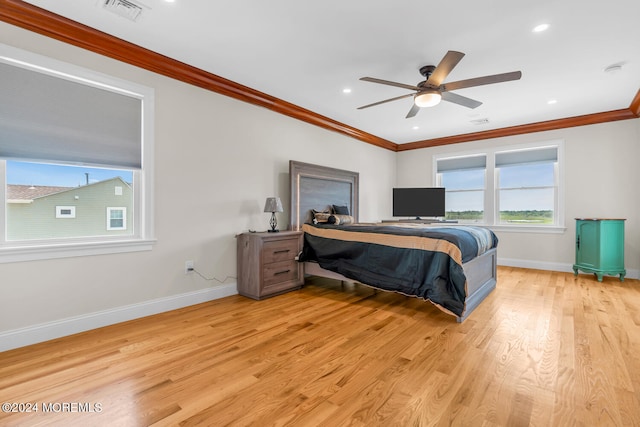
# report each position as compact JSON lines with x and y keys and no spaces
{"x":273,"y":205}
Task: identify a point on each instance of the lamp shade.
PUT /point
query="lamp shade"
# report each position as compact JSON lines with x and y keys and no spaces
{"x":273,"y":204}
{"x":428,"y":98}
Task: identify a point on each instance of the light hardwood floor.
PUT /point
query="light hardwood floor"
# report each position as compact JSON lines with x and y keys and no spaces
{"x":545,"y":349}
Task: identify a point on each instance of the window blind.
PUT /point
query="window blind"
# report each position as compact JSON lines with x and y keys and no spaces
{"x":519,"y":157}
{"x":52,"y":119}
{"x":462,"y":163}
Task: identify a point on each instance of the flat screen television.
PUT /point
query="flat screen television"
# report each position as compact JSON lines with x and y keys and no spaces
{"x":418,"y":202}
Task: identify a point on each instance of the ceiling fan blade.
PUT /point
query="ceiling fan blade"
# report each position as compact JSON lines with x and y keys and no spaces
{"x":461,"y":100}
{"x":445,"y":66}
{"x":386,"y":100}
{"x":413,"y":111}
{"x":389,"y":83}
{"x":479,"y":81}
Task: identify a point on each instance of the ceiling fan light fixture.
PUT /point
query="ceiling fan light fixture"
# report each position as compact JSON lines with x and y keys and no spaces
{"x":427,"y":98}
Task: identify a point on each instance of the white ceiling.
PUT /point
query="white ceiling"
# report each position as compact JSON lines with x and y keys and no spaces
{"x":307,"y":53}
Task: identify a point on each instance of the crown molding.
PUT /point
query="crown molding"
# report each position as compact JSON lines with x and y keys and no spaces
{"x":38,"y":20}
{"x":589,"y":119}
{"x":635,"y":105}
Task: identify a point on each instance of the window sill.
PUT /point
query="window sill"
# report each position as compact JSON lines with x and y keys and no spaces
{"x":540,"y":229}
{"x":19,"y":253}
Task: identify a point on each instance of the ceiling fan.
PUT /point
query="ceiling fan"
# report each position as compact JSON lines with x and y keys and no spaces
{"x":430,"y":91}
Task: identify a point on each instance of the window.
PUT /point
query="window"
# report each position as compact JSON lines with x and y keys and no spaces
{"x":65,"y":211}
{"x":514,"y":187}
{"x":34,"y":190}
{"x":77,"y":143}
{"x":464,"y":181}
{"x":116,"y":218}
{"x":527,"y":186}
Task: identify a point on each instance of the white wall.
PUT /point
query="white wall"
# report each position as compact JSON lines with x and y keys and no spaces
{"x":216,"y":160}
{"x":601,"y":180}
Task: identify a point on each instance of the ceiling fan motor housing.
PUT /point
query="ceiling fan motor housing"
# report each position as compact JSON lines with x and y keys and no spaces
{"x":428,"y":96}
{"x":427,"y":70}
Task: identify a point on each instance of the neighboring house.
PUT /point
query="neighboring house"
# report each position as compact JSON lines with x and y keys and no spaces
{"x":41,"y":212}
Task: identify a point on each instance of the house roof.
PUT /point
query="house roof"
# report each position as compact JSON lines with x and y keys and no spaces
{"x":25,"y":193}
{"x":31,"y":192}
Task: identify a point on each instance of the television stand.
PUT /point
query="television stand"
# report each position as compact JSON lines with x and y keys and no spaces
{"x":423,"y":221}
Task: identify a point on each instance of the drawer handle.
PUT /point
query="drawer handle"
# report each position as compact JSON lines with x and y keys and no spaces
{"x":281,"y":251}
{"x":281,"y":272}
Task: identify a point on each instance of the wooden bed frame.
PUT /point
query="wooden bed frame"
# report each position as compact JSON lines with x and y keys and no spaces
{"x":318,"y":187}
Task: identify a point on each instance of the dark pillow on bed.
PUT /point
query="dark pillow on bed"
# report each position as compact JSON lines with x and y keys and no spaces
{"x":340,"y":219}
{"x":341,"y":210}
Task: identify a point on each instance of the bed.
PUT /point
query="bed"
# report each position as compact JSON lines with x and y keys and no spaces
{"x":435,"y":263}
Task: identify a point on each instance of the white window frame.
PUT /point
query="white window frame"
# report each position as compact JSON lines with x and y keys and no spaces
{"x":60,"y":211}
{"x":556,"y":213}
{"x":438,"y":182}
{"x":124,"y":218}
{"x":143,"y":237}
{"x":491,"y":215}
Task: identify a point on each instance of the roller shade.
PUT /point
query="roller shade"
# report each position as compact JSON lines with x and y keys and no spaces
{"x":462,"y":163}
{"x":48,"y":118}
{"x":538,"y":155}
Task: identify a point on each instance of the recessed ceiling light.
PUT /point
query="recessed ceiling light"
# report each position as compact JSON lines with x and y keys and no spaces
{"x":552,"y":101}
{"x":540,"y":28}
{"x":346,"y":90}
{"x":416,"y":127}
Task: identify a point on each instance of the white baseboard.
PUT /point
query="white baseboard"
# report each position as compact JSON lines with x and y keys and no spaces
{"x":537,"y":265}
{"x":552,"y":266}
{"x":47,"y":331}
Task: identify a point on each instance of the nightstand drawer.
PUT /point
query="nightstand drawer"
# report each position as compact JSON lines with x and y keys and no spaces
{"x":278,"y":272}
{"x":279,"y":250}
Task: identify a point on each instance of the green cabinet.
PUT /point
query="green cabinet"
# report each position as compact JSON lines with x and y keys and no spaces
{"x":600,"y":247}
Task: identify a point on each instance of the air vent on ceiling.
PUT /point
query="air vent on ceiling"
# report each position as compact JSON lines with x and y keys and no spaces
{"x":125,"y":8}
{"x":480,"y":121}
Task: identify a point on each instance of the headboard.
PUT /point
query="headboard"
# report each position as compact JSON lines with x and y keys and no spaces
{"x":318,"y":187}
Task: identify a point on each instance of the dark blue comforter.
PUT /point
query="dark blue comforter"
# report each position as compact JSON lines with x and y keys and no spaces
{"x":420,"y":261}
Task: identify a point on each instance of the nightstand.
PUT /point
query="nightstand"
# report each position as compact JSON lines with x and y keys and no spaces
{"x":267,"y":263}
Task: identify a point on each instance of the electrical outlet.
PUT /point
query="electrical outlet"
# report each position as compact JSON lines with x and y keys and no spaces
{"x":188,"y":267}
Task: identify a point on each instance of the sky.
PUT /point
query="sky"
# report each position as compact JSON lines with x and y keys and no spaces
{"x":532,"y":175}
{"x":58,"y":175}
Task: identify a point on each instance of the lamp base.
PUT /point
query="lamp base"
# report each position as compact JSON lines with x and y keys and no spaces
{"x":273,"y":223}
